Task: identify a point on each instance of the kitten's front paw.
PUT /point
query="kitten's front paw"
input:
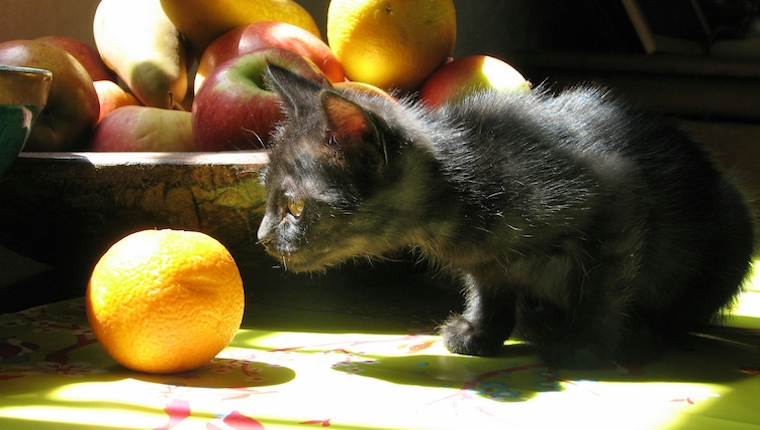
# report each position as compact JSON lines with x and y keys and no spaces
{"x":462,"y":337}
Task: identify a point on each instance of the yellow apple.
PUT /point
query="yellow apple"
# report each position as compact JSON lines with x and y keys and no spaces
{"x":137,"y":40}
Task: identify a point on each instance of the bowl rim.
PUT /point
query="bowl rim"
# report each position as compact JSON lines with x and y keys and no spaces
{"x":249,"y":157}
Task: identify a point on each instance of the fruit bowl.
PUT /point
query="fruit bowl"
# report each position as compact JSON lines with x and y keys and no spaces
{"x":23,"y":94}
{"x":66,"y":209}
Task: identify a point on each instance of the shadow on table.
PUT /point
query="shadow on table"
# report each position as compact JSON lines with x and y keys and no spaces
{"x":720,"y":370}
{"x":387,"y":297}
{"x":221,"y":373}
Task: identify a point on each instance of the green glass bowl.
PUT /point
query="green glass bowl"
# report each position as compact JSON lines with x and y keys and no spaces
{"x":23,"y":95}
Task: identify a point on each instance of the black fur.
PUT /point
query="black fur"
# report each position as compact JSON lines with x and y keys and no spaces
{"x":574,"y":221}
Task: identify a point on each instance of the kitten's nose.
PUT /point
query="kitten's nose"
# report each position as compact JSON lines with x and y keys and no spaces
{"x":263,"y":237}
{"x":265,"y":231}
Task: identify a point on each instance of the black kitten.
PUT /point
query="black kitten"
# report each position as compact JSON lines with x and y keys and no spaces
{"x":574,"y":222}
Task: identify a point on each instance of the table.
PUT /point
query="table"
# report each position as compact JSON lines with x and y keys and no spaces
{"x":358,"y":351}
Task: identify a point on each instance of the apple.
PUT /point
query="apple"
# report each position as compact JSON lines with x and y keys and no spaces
{"x":86,"y":54}
{"x":470,"y":74}
{"x":234,"y":110}
{"x":72,"y":108}
{"x":112,"y":96}
{"x":268,"y":34}
{"x":144,"y":129}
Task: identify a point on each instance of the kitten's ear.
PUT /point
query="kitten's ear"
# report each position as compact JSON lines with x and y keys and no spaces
{"x":296,"y":91}
{"x":351,"y":125}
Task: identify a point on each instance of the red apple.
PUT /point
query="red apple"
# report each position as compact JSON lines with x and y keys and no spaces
{"x":266,"y":34}
{"x":86,"y":54}
{"x":466,"y":75}
{"x":72,"y":108}
{"x":144,"y":129}
{"x":111,"y":96}
{"x":234,"y":109}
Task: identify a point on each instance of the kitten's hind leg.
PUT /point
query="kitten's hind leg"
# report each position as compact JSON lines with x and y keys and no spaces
{"x":641,"y":343}
{"x":487,"y":321}
{"x":584,"y":335}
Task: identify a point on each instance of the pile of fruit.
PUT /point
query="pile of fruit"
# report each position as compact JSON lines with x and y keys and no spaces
{"x":188,"y":75}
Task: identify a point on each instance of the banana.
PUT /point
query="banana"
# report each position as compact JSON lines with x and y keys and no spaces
{"x":202,"y":21}
{"x":138,"y":41}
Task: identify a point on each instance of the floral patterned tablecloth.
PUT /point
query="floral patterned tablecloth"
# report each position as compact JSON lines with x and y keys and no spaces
{"x":311,"y":356}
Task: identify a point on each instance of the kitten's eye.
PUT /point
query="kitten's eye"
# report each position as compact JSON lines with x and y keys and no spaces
{"x":295,"y":207}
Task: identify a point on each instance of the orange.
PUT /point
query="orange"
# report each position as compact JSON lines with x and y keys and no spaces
{"x":392,"y":44}
{"x":165,"y":301}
